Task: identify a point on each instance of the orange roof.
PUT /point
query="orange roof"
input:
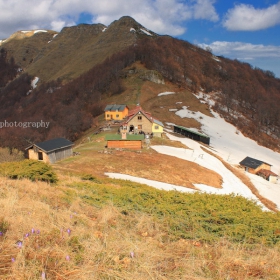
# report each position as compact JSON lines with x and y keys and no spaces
{"x":267,"y":173}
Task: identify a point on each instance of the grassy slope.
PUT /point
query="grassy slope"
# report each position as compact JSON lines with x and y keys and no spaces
{"x":171,"y":235}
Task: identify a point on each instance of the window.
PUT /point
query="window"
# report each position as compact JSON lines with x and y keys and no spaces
{"x":139,"y":118}
{"x":40,"y":156}
{"x":139,"y":127}
{"x":117,"y":115}
{"x":108,"y":116}
{"x":156,"y":127}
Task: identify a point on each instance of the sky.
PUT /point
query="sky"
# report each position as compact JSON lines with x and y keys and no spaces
{"x":247,"y":30}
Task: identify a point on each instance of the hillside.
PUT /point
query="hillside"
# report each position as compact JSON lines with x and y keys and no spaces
{"x":85,"y":67}
{"x":87,"y":226}
{"x":74,"y":50}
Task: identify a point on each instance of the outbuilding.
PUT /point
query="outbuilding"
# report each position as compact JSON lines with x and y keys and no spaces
{"x":51,"y":151}
{"x":253,"y":165}
{"x":124,"y":141}
{"x":192,"y":134}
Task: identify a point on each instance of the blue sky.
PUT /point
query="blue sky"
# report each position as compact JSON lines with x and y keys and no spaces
{"x":246,"y":30}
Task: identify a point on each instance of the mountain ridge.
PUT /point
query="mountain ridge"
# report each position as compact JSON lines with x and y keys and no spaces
{"x":85,"y":67}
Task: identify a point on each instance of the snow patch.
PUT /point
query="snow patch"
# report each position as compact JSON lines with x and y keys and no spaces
{"x":104,"y":29}
{"x":166,"y":93}
{"x":216,"y":58}
{"x":146,"y":32}
{"x":132,"y":30}
{"x":152,"y":183}
{"x":173,"y":110}
{"x":34,"y":82}
{"x":39,"y":31}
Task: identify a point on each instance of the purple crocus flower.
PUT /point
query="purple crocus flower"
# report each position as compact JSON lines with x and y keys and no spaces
{"x":43,"y":275}
{"x":38,"y":231}
{"x":132,"y":255}
{"x":69,"y":231}
{"x":32,"y":230}
{"x":67,"y":258}
{"x":19,"y":244}
{"x":27,"y":234}
{"x":1,"y":233}
{"x":13,"y":260}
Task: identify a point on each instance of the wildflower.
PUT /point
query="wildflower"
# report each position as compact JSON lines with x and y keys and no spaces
{"x":19,"y":244}
{"x":43,"y":275}
{"x":13,"y":259}
{"x":26,"y":235}
{"x":38,"y":231}
{"x":67,"y":258}
{"x":32,"y":230}
{"x":71,"y":216}
{"x":1,"y":233}
{"x":132,"y":255}
{"x":69,"y":231}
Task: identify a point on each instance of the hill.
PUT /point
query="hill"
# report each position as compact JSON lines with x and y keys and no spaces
{"x":85,"y":67}
{"x":90,"y":227}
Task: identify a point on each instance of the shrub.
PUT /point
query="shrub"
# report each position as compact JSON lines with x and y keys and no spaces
{"x":30,"y":169}
{"x":7,"y":155}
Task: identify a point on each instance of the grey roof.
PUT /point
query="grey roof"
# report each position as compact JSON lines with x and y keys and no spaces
{"x":114,"y":108}
{"x":252,"y":162}
{"x":158,"y":122}
{"x":53,"y":144}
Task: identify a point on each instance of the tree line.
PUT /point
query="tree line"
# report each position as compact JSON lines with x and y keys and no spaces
{"x":254,"y":94}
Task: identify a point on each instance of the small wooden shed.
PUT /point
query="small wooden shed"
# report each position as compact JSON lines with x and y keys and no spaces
{"x":124,"y":141}
{"x":51,"y":151}
{"x":192,"y":134}
{"x":253,"y":165}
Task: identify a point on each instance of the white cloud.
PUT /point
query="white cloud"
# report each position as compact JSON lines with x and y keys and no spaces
{"x":240,"y":49}
{"x":204,"y":9}
{"x":247,"y":18}
{"x":161,"y":16}
{"x":266,"y":57}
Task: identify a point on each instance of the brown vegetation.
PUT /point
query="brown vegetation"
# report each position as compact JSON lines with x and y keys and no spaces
{"x":146,"y":163}
{"x":104,"y":243}
{"x":253,"y":94}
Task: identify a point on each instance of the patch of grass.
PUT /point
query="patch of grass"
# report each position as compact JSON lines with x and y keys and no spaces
{"x":207,"y":217}
{"x":30,"y":169}
{"x":125,"y":230}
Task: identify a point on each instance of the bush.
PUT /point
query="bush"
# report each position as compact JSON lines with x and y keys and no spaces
{"x":7,"y":155}
{"x":30,"y":169}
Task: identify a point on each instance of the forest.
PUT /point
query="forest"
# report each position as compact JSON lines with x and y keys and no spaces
{"x":247,"y":97}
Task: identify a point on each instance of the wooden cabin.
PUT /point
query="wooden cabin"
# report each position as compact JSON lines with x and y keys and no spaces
{"x":139,"y":121}
{"x":124,"y":141}
{"x":51,"y":151}
{"x":259,"y":168}
{"x":115,"y":112}
{"x":253,"y":165}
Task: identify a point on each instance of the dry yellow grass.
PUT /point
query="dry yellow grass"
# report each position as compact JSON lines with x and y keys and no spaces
{"x":146,"y":164}
{"x":104,"y":244}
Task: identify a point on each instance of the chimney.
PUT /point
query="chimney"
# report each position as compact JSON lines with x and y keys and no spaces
{"x":123,"y":135}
